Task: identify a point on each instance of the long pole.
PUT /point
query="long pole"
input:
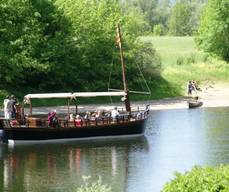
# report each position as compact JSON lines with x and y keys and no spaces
{"x":119,"y":41}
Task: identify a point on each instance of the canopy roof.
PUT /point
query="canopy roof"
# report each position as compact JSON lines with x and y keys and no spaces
{"x":48,"y":95}
{"x":72,"y":95}
{"x":96,"y":94}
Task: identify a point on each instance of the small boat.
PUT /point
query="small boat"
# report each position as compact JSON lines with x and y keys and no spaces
{"x":194,"y":104}
{"x":37,"y":128}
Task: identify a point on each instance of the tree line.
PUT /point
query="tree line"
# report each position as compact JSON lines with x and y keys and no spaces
{"x":69,"y":45}
{"x":65,"y":45}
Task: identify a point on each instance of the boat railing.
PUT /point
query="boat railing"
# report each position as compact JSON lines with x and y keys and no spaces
{"x":35,"y":122}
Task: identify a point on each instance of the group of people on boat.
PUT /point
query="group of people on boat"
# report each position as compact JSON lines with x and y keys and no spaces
{"x":78,"y":119}
{"x":9,"y":104}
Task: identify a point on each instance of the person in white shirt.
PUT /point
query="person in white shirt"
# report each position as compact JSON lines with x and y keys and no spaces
{"x":114,"y":113}
{"x":6,"y":107}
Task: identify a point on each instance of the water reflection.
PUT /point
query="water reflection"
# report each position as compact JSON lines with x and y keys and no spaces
{"x":176,"y":140}
{"x":60,"y":167}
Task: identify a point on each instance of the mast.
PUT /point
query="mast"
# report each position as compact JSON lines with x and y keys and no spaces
{"x":119,"y":42}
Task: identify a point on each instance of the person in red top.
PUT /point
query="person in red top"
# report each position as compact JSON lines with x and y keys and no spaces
{"x":78,"y":121}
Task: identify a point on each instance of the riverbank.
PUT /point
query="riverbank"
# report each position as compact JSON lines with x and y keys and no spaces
{"x":212,"y":96}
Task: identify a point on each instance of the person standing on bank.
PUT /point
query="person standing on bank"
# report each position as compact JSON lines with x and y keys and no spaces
{"x":6,"y":109}
{"x":189,"y":88}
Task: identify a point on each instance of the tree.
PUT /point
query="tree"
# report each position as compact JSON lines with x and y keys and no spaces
{"x":179,"y":23}
{"x":213,"y":32}
{"x":35,"y":39}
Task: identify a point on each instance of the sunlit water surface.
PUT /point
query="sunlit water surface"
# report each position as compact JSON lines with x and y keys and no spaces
{"x":175,"y":140}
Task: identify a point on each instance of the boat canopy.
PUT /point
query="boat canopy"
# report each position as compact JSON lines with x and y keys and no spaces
{"x":28,"y":97}
{"x":97,"y":94}
{"x":48,"y":96}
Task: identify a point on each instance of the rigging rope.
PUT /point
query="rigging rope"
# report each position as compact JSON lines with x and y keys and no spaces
{"x":147,"y":86}
{"x":109,"y":81}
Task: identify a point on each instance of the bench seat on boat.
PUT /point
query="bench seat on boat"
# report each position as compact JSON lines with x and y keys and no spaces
{"x":33,"y":122}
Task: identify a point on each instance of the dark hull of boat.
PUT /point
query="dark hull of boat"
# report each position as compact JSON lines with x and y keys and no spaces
{"x":195,"y":104}
{"x":45,"y":133}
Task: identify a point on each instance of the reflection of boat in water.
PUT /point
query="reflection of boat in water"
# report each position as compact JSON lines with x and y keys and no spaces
{"x":38,"y":128}
{"x":48,"y":166}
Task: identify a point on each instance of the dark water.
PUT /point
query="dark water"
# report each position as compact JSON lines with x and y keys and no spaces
{"x":175,"y":140}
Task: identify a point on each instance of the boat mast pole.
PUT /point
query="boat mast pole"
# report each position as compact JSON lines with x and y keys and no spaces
{"x":119,"y":41}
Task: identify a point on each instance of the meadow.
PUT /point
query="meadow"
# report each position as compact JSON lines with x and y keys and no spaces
{"x":182,"y":61}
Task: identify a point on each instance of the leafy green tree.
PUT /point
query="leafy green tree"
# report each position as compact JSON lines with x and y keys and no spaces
{"x":35,"y":39}
{"x":179,"y":23}
{"x":65,"y":45}
{"x":213,"y":33}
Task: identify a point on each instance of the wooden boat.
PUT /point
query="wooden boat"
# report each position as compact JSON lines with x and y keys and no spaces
{"x":37,"y":128}
{"x":194,"y":104}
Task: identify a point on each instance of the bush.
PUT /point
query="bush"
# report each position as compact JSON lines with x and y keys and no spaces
{"x":191,"y":59}
{"x":199,"y":179}
{"x":158,"y":30}
{"x":96,"y":186}
{"x":180,"y":60}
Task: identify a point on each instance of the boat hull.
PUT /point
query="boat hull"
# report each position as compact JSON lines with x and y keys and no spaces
{"x":46,"y":133}
{"x":195,"y":104}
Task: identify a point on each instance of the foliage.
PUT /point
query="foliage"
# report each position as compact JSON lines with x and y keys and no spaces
{"x":158,"y":30}
{"x":65,"y":45}
{"x":94,"y":186}
{"x":214,"y":29}
{"x":180,"y":23}
{"x":34,"y":38}
{"x":200,"y":179}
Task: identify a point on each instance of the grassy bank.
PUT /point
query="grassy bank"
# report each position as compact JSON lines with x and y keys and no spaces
{"x":182,"y":61}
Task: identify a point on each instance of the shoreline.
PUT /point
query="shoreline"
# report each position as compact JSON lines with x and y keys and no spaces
{"x":211,"y":96}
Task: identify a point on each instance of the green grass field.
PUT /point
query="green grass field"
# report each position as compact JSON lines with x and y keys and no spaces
{"x":172,"y":49}
{"x":182,"y":61}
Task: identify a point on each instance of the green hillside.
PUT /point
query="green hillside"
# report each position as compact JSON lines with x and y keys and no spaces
{"x":182,"y":61}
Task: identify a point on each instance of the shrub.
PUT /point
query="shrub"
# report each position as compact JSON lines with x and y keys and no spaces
{"x":191,"y":59}
{"x":158,"y":30}
{"x":96,"y":186}
{"x":200,"y":179}
{"x":180,"y":60}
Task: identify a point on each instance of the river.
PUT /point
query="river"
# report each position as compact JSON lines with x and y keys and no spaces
{"x":175,"y":140}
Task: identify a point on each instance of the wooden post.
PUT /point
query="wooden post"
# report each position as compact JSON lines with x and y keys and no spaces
{"x":30,"y":108}
{"x":68,"y":107}
{"x":119,"y":41}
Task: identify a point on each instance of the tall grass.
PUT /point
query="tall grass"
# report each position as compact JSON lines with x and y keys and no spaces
{"x":182,"y":61}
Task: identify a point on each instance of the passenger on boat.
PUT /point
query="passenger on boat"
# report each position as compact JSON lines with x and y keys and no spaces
{"x":71,"y":117}
{"x":87,"y":116}
{"x":78,"y":121}
{"x":13,"y":102}
{"x":52,"y":119}
{"x":6,"y":107}
{"x":114,"y":113}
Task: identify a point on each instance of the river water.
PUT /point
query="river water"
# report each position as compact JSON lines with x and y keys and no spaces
{"x":175,"y":140}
